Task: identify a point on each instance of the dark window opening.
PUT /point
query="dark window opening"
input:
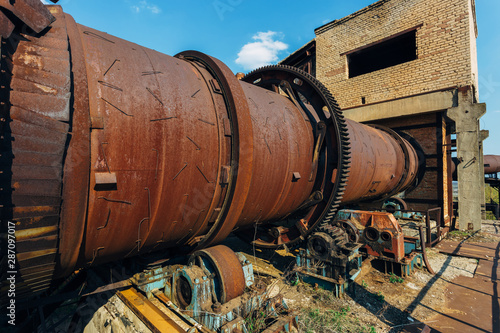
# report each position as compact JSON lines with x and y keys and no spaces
{"x":394,"y":51}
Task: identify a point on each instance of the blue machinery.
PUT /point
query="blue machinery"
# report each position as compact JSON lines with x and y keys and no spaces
{"x":333,"y":255}
{"x":217,"y":289}
{"x":211,"y":294}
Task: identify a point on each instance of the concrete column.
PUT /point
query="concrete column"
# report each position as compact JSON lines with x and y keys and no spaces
{"x":470,"y":168}
{"x":483,"y":135}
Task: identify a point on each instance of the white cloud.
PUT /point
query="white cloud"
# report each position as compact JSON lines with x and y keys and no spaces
{"x":264,"y":51}
{"x":144,"y":5}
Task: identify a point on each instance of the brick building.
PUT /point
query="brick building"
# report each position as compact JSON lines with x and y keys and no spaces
{"x":411,"y":65}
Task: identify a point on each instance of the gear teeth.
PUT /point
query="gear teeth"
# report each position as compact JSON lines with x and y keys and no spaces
{"x":42,"y":203}
{"x":343,"y":139}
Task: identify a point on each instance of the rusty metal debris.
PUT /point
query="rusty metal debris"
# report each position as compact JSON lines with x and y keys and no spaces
{"x":31,"y":12}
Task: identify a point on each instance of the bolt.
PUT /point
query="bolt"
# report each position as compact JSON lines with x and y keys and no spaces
{"x":217,"y":307}
{"x":318,"y":195}
{"x":275,"y":232}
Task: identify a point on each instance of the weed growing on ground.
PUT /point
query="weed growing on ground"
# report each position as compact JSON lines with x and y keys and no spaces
{"x":329,"y":314}
{"x":459,"y":233}
{"x":256,"y":322}
{"x":393,"y":278}
{"x":316,"y":320}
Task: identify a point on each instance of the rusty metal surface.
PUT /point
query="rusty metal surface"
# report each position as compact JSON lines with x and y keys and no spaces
{"x":424,"y":252}
{"x":175,"y":152}
{"x":237,"y":169}
{"x":485,"y":251}
{"x":488,"y":268}
{"x":6,"y":26}
{"x":328,"y":156}
{"x":491,"y":164}
{"x":32,"y":12}
{"x":472,"y":305}
{"x":77,"y":162}
{"x":385,"y":166}
{"x":380,"y":232}
{"x":226,"y":267}
{"x":286,"y":324}
{"x":165,"y":135}
{"x":33,"y":151}
{"x":283,"y":145}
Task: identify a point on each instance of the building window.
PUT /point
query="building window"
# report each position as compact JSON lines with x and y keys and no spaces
{"x":387,"y":53}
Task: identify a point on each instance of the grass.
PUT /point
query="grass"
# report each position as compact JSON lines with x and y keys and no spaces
{"x":459,"y":233}
{"x":256,"y":321}
{"x":393,"y":278}
{"x":329,"y":314}
{"x":316,"y":320}
{"x":380,"y":297}
{"x":491,"y":196}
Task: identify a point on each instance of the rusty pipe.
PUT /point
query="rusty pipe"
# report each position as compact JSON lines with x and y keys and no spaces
{"x":491,"y":164}
{"x":135,"y":151}
{"x":382,"y":163}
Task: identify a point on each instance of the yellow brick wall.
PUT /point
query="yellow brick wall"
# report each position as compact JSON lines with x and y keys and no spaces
{"x":445,"y":48}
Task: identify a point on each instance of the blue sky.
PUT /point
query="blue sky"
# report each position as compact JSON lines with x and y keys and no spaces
{"x":249,"y":33}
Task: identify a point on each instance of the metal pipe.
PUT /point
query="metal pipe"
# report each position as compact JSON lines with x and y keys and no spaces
{"x":491,"y":164}
{"x":136,"y":151}
{"x":382,"y":163}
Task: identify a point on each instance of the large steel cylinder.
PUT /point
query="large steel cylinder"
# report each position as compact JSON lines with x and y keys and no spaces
{"x":382,"y":163}
{"x":491,"y":164}
{"x":112,"y":149}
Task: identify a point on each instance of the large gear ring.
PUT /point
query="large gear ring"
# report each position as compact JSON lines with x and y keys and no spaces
{"x":331,"y":158}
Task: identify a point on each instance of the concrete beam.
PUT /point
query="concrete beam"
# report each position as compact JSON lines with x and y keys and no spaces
{"x":483,"y":135}
{"x":430,"y":102}
{"x":470,"y":168}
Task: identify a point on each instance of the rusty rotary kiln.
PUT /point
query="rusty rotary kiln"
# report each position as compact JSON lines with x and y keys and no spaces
{"x":111,"y":149}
